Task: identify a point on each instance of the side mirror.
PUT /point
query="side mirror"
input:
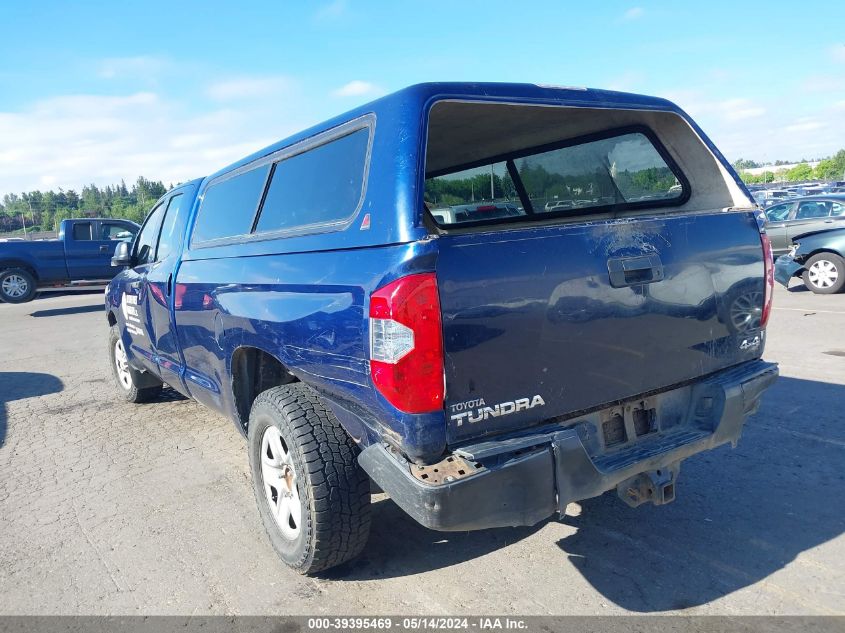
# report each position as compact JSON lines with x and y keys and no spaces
{"x":122,"y":255}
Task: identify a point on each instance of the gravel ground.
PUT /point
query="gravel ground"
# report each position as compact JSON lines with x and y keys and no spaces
{"x":109,"y":508}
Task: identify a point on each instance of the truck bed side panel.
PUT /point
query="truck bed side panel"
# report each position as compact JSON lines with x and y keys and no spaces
{"x":46,"y":258}
{"x":310,"y":311}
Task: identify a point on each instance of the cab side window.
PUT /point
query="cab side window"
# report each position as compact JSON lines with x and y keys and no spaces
{"x":113,"y":231}
{"x":145,"y":245}
{"x":170,"y":239}
{"x":82,"y":231}
{"x":778,"y":213}
{"x":807,"y":210}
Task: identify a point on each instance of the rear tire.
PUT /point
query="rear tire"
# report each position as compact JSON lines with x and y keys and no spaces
{"x":134,"y":386}
{"x":824,"y":273}
{"x":313,"y":497}
{"x":17,"y":285}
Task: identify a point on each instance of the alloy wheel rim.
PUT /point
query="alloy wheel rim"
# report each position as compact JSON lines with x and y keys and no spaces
{"x":15,"y":286}
{"x":279,"y":481}
{"x":121,"y":363}
{"x":823,"y":273}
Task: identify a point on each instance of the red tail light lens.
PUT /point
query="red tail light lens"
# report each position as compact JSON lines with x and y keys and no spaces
{"x":406,"y":343}
{"x":769,"y":272}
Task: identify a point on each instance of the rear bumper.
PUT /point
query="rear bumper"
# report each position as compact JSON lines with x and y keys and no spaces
{"x":521,"y":480}
{"x":786,"y":268}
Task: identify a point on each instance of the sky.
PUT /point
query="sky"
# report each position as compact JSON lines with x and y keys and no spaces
{"x":96,"y":92}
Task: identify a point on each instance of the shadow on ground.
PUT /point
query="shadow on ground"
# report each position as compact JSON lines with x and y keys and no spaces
{"x":17,"y":385}
{"x":69,"y":310}
{"x":741,"y":515}
{"x":399,"y":546}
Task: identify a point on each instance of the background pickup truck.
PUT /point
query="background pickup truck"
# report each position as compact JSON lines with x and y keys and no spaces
{"x":491,"y":300}
{"x":82,"y":253}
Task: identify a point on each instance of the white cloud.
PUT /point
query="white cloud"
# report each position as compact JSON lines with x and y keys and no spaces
{"x":805,"y":124}
{"x":634,"y":13}
{"x":72,"y":140}
{"x":237,"y":88}
{"x":741,"y":127}
{"x":146,"y":67}
{"x":332,"y":10}
{"x":357,"y":88}
{"x":628,"y":81}
{"x":729,"y":110}
{"x":740,"y":109}
{"x":837,"y":52}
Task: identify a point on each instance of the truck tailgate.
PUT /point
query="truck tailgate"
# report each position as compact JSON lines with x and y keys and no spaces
{"x":543,"y":322}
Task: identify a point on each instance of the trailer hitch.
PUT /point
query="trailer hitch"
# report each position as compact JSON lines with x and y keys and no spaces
{"x":655,"y":486}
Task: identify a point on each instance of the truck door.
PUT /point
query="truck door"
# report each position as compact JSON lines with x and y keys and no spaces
{"x":107,"y":234}
{"x":85,"y":254}
{"x":135,"y":301}
{"x":812,"y":215}
{"x":159,"y":286}
{"x":776,"y":221}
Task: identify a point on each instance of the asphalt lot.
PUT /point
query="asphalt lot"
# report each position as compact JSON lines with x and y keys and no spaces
{"x":109,"y":508}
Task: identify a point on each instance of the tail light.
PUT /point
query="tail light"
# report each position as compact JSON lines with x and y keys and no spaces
{"x":769,"y":273}
{"x":406,"y":343}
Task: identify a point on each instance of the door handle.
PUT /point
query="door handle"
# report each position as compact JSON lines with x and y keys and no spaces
{"x":169,"y":284}
{"x":104,"y":248}
{"x":630,"y":271}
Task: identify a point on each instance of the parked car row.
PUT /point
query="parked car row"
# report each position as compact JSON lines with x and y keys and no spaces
{"x":766,"y":196}
{"x":807,"y":237}
{"x":787,"y":220}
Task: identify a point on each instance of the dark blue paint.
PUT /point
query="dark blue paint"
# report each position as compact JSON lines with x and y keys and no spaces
{"x":533,"y":312}
{"x":515,"y":303}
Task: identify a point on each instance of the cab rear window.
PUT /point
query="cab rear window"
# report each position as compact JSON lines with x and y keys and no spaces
{"x":576,"y":177}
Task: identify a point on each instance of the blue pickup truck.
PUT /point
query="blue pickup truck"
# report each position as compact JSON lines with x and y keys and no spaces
{"x":357,"y":302}
{"x":81,"y":254}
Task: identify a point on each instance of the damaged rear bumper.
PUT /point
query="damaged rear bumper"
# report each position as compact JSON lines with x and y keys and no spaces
{"x":786,"y":268}
{"x":521,"y":480}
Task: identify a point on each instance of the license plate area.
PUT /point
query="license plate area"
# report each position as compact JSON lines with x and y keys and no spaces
{"x":624,"y":426}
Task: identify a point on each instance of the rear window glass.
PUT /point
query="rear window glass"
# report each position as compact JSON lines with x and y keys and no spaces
{"x":320,"y":186}
{"x":625,"y":170}
{"x":82,"y":231}
{"x":228,"y":207}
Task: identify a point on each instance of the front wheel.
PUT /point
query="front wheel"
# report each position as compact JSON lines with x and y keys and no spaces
{"x":824,"y":273}
{"x":17,"y":285}
{"x":313,"y":497}
{"x":133,"y":385}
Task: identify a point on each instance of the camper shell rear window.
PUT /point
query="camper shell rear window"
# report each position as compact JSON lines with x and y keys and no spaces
{"x":614,"y":170}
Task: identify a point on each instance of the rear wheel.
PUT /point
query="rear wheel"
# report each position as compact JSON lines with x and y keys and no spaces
{"x":133,"y":385}
{"x":313,"y":497}
{"x":17,"y":285}
{"x":824,"y":273}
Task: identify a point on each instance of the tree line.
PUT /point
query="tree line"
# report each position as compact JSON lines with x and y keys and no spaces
{"x":44,"y":210}
{"x":831,"y":168}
